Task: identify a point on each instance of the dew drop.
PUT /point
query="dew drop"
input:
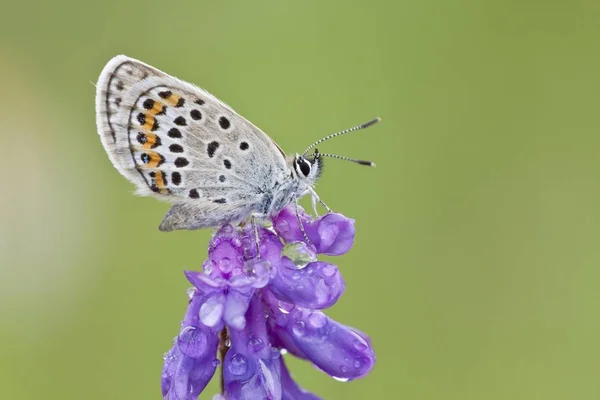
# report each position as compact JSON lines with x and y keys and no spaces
{"x":299,"y":328}
{"x":238,"y":364}
{"x":190,"y":292}
{"x":192,"y":341}
{"x":216,"y":362}
{"x":328,"y":270}
{"x":357,"y":364}
{"x":285,"y":308}
{"x":340,"y":379}
{"x":283,"y":352}
{"x":225,"y":265}
{"x":317,"y":319}
{"x":299,"y":252}
{"x":360,"y":344}
{"x":211,"y":311}
{"x":344,"y":369}
{"x":296,"y":275}
{"x":255,"y":344}
{"x":228,"y":343}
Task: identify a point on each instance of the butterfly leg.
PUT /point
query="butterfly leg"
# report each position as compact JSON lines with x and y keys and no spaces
{"x":256,"y":239}
{"x":315,"y":198}
{"x":301,"y":225}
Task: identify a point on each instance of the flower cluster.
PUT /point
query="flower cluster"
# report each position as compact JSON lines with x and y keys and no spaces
{"x":255,"y":306}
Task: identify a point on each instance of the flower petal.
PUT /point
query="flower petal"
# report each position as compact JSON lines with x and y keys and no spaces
{"x":236,"y":305}
{"x":191,"y":362}
{"x":291,"y":391}
{"x":337,"y":349}
{"x":251,"y":369}
{"x":318,"y":285}
{"x":332,"y":234}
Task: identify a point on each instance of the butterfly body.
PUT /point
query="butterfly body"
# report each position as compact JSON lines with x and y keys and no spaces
{"x":179,"y":143}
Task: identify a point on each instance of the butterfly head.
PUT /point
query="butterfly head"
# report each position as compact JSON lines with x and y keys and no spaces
{"x":308,"y":168}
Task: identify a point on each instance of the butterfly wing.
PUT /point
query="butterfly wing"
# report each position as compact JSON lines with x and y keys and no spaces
{"x":179,"y":143}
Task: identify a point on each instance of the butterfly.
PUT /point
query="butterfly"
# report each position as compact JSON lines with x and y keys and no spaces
{"x":179,"y":143}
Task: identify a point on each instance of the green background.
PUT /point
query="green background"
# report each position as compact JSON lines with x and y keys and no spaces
{"x":476,"y":263}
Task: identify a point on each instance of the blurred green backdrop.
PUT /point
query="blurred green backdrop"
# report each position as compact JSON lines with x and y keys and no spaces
{"x":476,"y":265}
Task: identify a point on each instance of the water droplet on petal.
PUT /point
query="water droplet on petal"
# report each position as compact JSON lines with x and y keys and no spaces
{"x":344,"y":368}
{"x":300,"y":253}
{"x":227,"y":342}
{"x":340,"y":379}
{"x":310,"y":269}
{"x":192,"y":341}
{"x":190,"y":292}
{"x":299,"y":328}
{"x":328,"y":270}
{"x":225,"y":265}
{"x":216,"y":362}
{"x":296,"y":275}
{"x":255,"y":344}
{"x":317,"y":319}
{"x":282,"y":226}
{"x":238,"y":364}
{"x":360,"y":344}
{"x":357,"y":364}
{"x":283,"y":352}
{"x":285,"y":308}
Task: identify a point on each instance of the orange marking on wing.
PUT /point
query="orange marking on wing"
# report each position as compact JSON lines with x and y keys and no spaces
{"x":150,"y":140}
{"x":159,"y":180}
{"x":155,"y":159}
{"x":149,"y":122}
{"x":158,"y":106}
{"x":172,"y":100}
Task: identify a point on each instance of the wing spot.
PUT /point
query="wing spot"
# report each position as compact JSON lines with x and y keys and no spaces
{"x":244,"y":146}
{"x":194,"y":194}
{"x":174,"y":133}
{"x":141,"y":117}
{"x":120,"y":86}
{"x":200,"y":102}
{"x":148,"y":104}
{"x":154,"y":125}
{"x":227,"y":164}
{"x":220,"y":201}
{"x":176,"y":178}
{"x":141,"y":138}
{"x":180,"y":102}
{"x":181,"y":162}
{"x":211,"y":148}
{"x":163,"y":111}
{"x":145,"y":158}
{"x":165,"y":95}
{"x":180,"y":121}
{"x":118,"y":101}
{"x":196,"y":115}
{"x":175,"y":148}
{"x":222,"y":178}
{"x":224,"y":123}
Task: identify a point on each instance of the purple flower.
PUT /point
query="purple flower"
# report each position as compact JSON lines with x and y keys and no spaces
{"x":252,"y":306}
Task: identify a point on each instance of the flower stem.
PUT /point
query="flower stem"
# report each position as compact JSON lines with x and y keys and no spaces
{"x":223,"y":347}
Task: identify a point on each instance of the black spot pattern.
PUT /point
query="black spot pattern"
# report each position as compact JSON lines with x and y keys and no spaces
{"x":196,"y":115}
{"x":220,"y":201}
{"x":141,"y":138}
{"x":157,"y":142}
{"x":244,"y":146}
{"x":118,"y":101}
{"x":200,"y":102}
{"x":180,"y":102}
{"x":180,"y":121}
{"x":224,"y":123}
{"x":175,"y":148}
{"x":174,"y":133}
{"x":141,"y":117}
{"x":120,"y":86}
{"x":181,"y":162}
{"x":154,"y":188}
{"x":194,"y":194}
{"x":145,"y":158}
{"x":176,"y":178}
{"x":148,"y":104}
{"x":211,"y":148}
{"x":154,"y":125}
{"x":166,"y":94}
{"x":227,"y":164}
{"x":222,"y":178}
{"x":163,"y":111}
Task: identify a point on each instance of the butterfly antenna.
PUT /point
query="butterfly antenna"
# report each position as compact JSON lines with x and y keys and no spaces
{"x":355,"y":128}
{"x":354,"y":160}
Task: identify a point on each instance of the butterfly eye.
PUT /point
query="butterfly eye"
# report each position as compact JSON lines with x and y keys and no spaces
{"x":304,"y":166}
